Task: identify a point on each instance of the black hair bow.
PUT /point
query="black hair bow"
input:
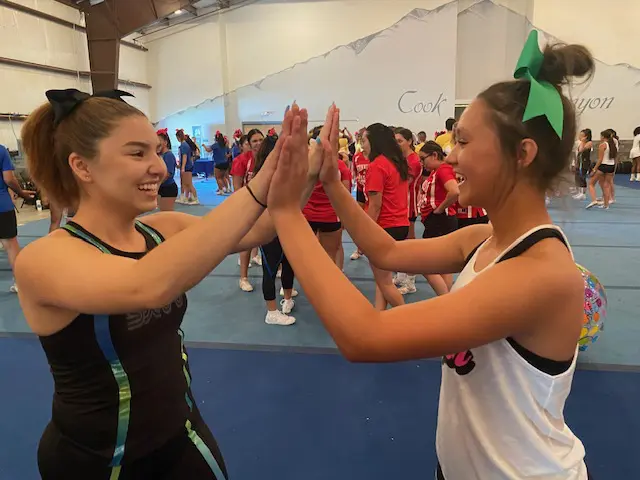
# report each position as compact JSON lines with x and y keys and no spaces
{"x":66,"y":101}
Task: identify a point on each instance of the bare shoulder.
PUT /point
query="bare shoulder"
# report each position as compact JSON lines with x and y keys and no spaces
{"x":469,"y":238}
{"x":169,"y":223}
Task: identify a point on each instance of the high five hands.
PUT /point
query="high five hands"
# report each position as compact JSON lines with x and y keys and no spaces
{"x":292,"y":163}
{"x":298,"y":163}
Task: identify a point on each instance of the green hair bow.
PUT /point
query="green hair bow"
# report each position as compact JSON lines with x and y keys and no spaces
{"x":544,"y":98}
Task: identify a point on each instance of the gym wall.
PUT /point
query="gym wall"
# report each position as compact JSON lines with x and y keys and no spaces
{"x":28,"y":38}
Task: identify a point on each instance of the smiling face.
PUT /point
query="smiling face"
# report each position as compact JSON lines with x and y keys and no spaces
{"x":478,"y":160}
{"x":127,"y":171}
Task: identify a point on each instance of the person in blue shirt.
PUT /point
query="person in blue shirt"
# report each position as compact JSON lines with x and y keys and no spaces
{"x":221,"y":156}
{"x":189,"y":195}
{"x":168,"y":191}
{"x":8,"y":220}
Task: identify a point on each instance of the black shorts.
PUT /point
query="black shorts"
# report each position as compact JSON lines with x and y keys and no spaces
{"x":168,"y":191}
{"x":222,"y":166}
{"x":465,"y":222}
{"x":398,"y":233}
{"x":178,"y":459}
{"x":189,"y":168}
{"x":607,"y":168}
{"x":325,"y":227}
{"x":360,"y":196}
{"x":439,"y":225}
{"x":8,"y":225}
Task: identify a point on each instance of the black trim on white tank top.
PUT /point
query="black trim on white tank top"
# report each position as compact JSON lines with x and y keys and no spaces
{"x":545,"y":365}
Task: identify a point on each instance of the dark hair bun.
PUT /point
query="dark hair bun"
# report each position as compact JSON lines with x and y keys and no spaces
{"x":563,"y":62}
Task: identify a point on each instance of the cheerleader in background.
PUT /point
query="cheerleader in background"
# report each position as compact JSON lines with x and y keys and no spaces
{"x":345,"y":169}
{"x":359,"y":168}
{"x":404,"y":137}
{"x":168,"y":191}
{"x":220,"y":154}
{"x":274,"y":260}
{"x":387,"y":195}
{"x":437,"y":205}
{"x":320,"y":213}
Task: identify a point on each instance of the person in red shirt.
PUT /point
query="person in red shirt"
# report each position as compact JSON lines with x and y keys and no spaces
{"x":347,"y":180}
{"x":242,"y":171}
{"x":320,"y":213}
{"x":404,"y":137}
{"x":439,"y":194}
{"x":387,"y":195}
{"x":360,"y":166}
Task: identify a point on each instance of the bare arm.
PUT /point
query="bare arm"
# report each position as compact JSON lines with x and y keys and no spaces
{"x":375,"y":204}
{"x":12,"y":182}
{"x":601,"y":149}
{"x":439,"y":255}
{"x":207,"y":149}
{"x":261,"y":233}
{"x":492,"y":307}
{"x":62,"y":272}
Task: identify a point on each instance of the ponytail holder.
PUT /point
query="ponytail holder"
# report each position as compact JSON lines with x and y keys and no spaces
{"x":217,"y":132}
{"x":237,"y":133}
{"x":272,"y":132}
{"x":179,"y":130}
{"x":163,"y":131}
{"x":64,"y":102}
{"x":544,"y":98}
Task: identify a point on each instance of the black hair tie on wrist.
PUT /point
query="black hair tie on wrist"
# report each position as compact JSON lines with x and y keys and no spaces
{"x":254,"y":197}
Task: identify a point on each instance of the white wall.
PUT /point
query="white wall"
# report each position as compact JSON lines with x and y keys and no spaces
{"x":27,"y":38}
{"x":271,"y":52}
{"x":611,"y":28}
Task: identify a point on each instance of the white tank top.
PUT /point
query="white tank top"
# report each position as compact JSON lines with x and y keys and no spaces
{"x":607,"y":160}
{"x":499,"y":417}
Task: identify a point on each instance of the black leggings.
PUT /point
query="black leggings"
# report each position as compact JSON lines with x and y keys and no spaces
{"x":272,"y":257}
{"x":179,"y":459}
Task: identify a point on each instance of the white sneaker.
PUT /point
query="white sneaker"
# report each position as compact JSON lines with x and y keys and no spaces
{"x":245,"y":286}
{"x":580,"y":196}
{"x":193,"y":201}
{"x":591,"y":205}
{"x":407,"y":289}
{"x":400,"y":279}
{"x":257,"y":260}
{"x":294,"y":292}
{"x":355,"y":255}
{"x":287,"y":305}
{"x":278,"y":318}
{"x":13,"y":288}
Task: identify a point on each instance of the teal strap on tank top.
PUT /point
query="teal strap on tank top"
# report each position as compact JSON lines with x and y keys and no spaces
{"x":102,"y":329}
{"x":152,"y":233}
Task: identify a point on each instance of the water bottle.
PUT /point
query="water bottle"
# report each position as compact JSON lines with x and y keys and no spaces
{"x":39,"y":205}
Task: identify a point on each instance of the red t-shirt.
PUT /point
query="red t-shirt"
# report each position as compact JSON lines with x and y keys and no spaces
{"x":415,"y":172}
{"x":345,"y":173}
{"x":242,"y":166}
{"x":470,"y":212}
{"x":360,"y":166}
{"x":383,"y":177}
{"x":434,"y":193}
{"x":319,"y":208}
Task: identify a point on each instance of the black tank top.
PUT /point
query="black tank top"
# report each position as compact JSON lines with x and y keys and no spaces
{"x":122,"y":382}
